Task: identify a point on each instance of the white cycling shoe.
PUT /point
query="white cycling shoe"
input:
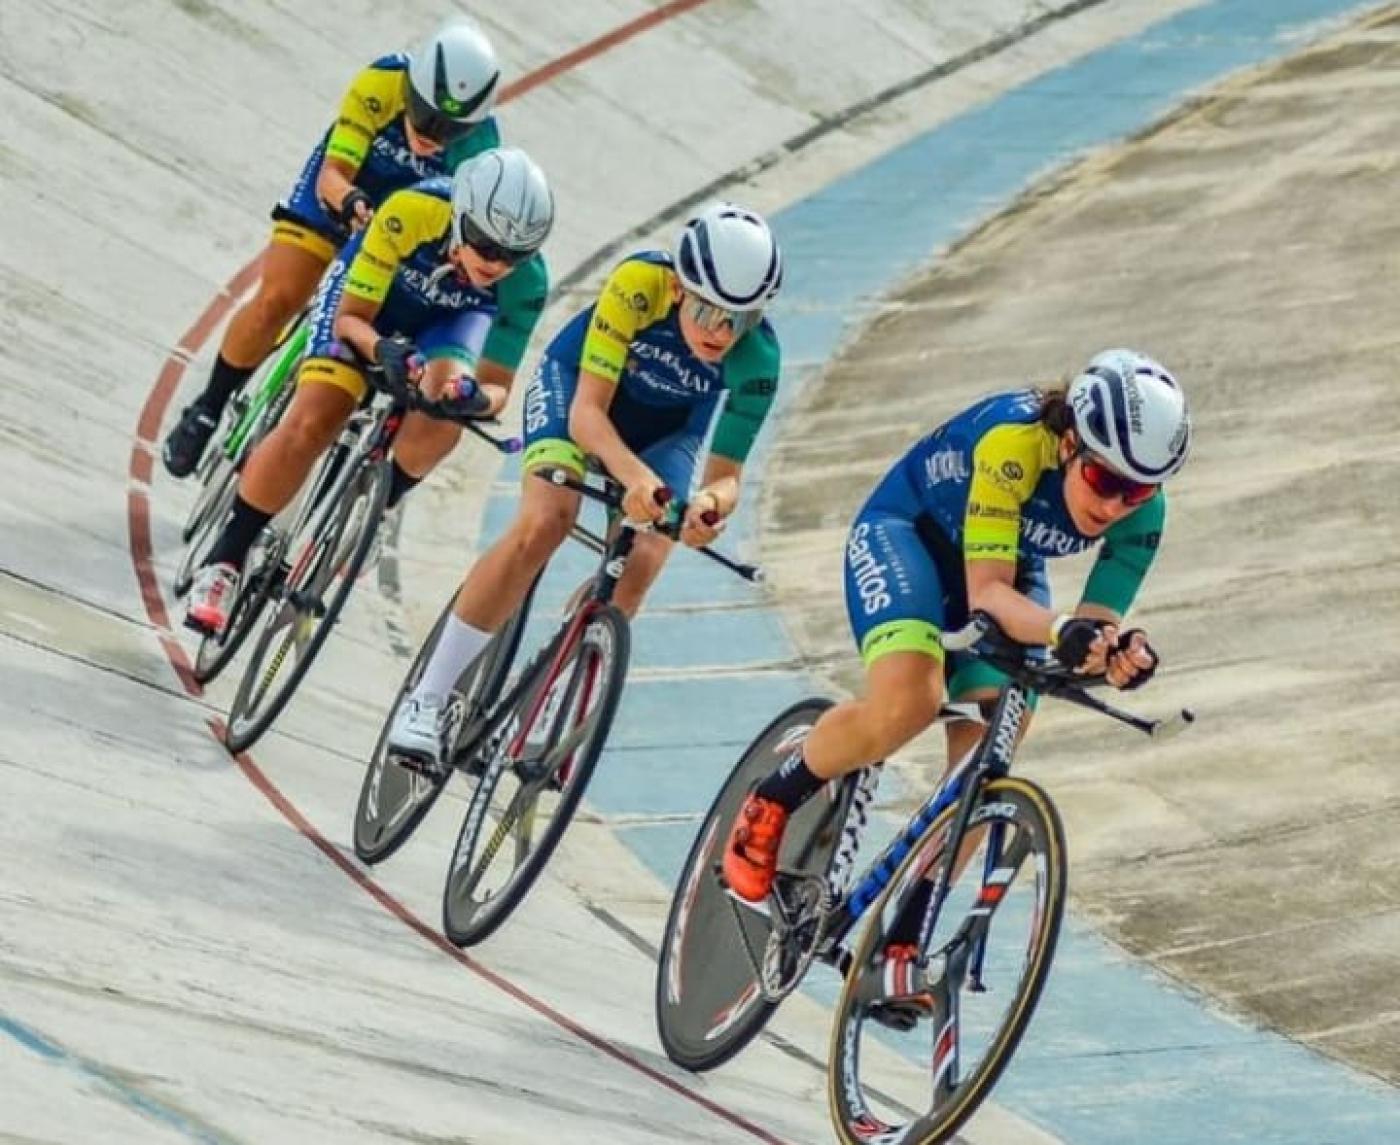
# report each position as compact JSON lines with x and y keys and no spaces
{"x":416,"y":732}
{"x":211,"y":596}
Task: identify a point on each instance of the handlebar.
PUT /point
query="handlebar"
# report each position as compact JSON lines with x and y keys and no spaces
{"x":437,"y":409}
{"x":611,"y":495}
{"x":983,"y":638}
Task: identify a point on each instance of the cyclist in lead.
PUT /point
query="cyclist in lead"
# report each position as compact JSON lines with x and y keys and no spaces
{"x":675,"y":345}
{"x":446,"y":282}
{"x":405,"y":118}
{"x":965,"y":521}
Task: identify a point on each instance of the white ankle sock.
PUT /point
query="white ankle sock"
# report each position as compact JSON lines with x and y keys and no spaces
{"x":457,"y":646}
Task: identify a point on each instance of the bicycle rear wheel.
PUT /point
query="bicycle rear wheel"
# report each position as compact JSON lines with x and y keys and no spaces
{"x":325,"y":567}
{"x":710,"y":999}
{"x":957,"y":1019}
{"x":551,"y":733}
{"x":394,"y":799}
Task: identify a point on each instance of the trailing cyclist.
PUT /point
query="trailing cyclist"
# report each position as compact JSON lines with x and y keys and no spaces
{"x":406,"y":118}
{"x":447,"y":273}
{"x":965,"y":521}
{"x":675,"y":344}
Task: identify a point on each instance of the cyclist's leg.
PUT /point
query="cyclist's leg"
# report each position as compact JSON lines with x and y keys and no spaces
{"x":452,"y":348}
{"x":974,"y":681}
{"x":895,"y":603}
{"x":328,"y":388}
{"x":293,"y":262}
{"x":495,"y":586}
{"x":675,"y":459}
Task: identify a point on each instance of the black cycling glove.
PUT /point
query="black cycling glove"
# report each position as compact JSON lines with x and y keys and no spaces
{"x":398,"y":362}
{"x":1074,"y":636}
{"x":347,"y":214}
{"x":1125,"y":641}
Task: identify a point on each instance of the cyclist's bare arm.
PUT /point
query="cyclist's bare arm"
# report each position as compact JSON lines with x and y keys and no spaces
{"x":335,"y":181}
{"x":495,"y":381}
{"x":718,"y":494}
{"x":991,"y":587}
{"x":354,"y":323}
{"x":593,"y":430}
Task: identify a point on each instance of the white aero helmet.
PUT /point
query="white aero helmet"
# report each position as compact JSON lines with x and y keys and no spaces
{"x":1131,"y":412}
{"x":501,"y":205}
{"x":453,"y":77}
{"x":729,"y":257}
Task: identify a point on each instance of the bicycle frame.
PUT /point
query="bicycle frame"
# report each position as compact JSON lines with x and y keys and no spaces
{"x":614,"y":561}
{"x":273,"y":384}
{"x":989,"y":760}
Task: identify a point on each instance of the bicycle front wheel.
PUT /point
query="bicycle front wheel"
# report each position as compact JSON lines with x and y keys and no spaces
{"x":394,"y":799}
{"x":325,"y":566}
{"x":949,"y":1022}
{"x":552,"y":729}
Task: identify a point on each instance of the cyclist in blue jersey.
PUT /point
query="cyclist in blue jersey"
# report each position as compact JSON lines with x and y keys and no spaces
{"x":405,"y":118}
{"x":449,"y":271}
{"x":674,"y":352}
{"x":965,"y":521}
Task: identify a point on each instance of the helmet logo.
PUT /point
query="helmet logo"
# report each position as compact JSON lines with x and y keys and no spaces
{"x":1133,"y":393}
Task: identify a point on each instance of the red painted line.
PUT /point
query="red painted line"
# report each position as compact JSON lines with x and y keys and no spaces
{"x":139,"y":534}
{"x":571,"y":60}
{"x":258,"y":778}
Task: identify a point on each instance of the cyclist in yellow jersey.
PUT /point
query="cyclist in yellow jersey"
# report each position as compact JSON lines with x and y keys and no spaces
{"x":966,"y":521}
{"x":405,"y":118}
{"x":675,"y":345}
{"x":448,"y":272}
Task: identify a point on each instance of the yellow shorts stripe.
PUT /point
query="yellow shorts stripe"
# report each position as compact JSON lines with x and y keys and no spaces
{"x":332,"y":372}
{"x":287,"y":233}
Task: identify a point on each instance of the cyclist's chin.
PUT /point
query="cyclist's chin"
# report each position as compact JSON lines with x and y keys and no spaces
{"x":1088,"y":522}
{"x":421,"y":145}
{"x":708,"y":352}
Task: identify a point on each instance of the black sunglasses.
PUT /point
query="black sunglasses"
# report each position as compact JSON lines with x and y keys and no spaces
{"x":487,"y":247}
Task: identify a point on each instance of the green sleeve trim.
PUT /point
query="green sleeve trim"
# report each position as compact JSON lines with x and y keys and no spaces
{"x":1129,"y":548}
{"x":751,"y":379}
{"x":483,"y":137}
{"x":520,"y":299}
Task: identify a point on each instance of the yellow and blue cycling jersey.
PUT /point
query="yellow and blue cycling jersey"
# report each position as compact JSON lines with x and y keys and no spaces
{"x":400,"y":263}
{"x":667,"y":400}
{"x":368,"y":139}
{"x":986,"y":485}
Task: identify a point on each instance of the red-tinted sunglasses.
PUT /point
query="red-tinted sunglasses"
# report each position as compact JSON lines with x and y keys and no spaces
{"x":1106,"y":483}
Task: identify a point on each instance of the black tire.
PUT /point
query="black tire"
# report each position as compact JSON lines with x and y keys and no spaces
{"x":215,"y":464}
{"x":395,"y":799}
{"x":705,"y":970}
{"x":516,"y":783}
{"x":216,"y":499}
{"x":211,"y":473}
{"x":323,"y":583}
{"x":1025,"y":813}
{"x":215,"y":653}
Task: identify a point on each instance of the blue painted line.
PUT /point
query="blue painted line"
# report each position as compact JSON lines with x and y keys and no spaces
{"x":1117,"y":1053}
{"x":32,"y":1040}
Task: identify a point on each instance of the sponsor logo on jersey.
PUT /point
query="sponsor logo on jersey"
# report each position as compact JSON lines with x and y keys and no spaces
{"x":424,"y":286}
{"x":867,"y":572}
{"x":665,"y":369}
{"x":397,"y":154}
{"x":1012,"y":470}
{"x":536,"y":404}
{"x":946,"y":465}
{"x":1047,"y":537}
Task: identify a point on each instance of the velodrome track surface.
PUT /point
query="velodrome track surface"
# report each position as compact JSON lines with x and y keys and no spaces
{"x":177,"y":962}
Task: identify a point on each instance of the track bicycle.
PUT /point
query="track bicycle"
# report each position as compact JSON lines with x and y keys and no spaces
{"x":988,"y":849}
